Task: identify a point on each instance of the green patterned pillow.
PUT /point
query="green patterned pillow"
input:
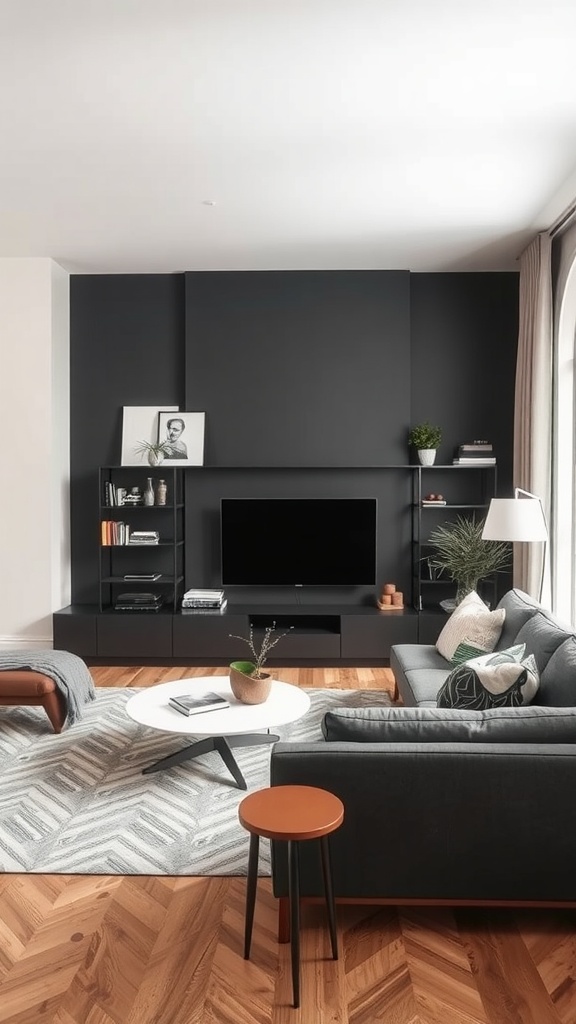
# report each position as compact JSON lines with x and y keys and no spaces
{"x":465,"y":651}
{"x":502,"y":679}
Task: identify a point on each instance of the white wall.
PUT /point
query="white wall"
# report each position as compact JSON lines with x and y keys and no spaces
{"x":34,"y":449}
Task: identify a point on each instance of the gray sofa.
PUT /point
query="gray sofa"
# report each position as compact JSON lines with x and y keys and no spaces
{"x":448,"y":805}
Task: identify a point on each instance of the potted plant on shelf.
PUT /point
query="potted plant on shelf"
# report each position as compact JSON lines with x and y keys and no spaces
{"x":425,"y":439}
{"x":464,"y":556}
{"x":154,"y":450}
{"x":248,"y":682}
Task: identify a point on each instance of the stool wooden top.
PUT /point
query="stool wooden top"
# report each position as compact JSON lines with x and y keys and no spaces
{"x":291,"y":812}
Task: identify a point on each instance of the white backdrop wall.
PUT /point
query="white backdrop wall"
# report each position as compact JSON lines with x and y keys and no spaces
{"x":34,"y":449}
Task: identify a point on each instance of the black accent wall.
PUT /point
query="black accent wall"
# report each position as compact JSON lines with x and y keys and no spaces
{"x":308,"y":377}
{"x":300,"y":368}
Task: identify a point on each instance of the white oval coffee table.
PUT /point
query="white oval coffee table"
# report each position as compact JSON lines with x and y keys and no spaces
{"x":235,"y":726}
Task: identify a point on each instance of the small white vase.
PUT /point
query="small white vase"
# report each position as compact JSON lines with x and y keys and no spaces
{"x":426,"y":456}
{"x":155,"y":458}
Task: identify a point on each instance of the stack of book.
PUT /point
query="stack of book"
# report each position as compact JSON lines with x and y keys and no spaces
{"x":204,"y":600}
{"x":144,"y":537}
{"x":475,"y":453}
{"x":187,"y":704}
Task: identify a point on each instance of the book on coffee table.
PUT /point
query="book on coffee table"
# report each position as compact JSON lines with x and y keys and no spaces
{"x":186,"y":704}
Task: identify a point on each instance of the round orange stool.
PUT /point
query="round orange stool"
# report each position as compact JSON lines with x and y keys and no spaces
{"x":291,"y":814}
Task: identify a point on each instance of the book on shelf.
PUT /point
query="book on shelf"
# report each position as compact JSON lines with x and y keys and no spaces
{"x":187,"y":704}
{"x":144,"y":537}
{"x":474,"y":461}
{"x":426,"y":502}
{"x":140,"y":602}
{"x":476,"y":446}
{"x":204,"y":599}
{"x":113,"y":533}
{"x":144,"y":576}
{"x":473,"y":456}
{"x":204,"y":609}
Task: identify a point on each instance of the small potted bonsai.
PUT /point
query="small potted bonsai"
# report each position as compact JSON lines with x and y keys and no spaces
{"x":154,"y":450}
{"x":425,"y":439}
{"x":248,"y":682}
{"x":464,"y":556}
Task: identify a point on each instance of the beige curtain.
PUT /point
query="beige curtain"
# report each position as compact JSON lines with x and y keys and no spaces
{"x":533,"y":405}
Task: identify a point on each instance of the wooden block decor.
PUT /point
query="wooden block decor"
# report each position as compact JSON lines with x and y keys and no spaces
{"x":390,"y":600}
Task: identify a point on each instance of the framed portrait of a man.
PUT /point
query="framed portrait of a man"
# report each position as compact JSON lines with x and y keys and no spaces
{"x":182,"y":437}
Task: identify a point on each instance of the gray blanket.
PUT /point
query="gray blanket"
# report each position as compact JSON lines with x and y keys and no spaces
{"x":68,"y":671}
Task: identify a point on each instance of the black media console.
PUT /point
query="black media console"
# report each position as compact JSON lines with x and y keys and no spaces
{"x":321,"y":634}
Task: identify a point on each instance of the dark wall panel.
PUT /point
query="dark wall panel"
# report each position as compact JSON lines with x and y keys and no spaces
{"x":126,"y":348}
{"x":300,"y":368}
{"x":464,"y":340}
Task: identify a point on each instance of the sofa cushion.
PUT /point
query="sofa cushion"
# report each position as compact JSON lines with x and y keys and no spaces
{"x":471,"y":622}
{"x":519,"y":607}
{"x":450,"y":725}
{"x":500,"y":679}
{"x":543,"y":634}
{"x":425,"y":683}
{"x":417,"y":656}
{"x":558,"y":680}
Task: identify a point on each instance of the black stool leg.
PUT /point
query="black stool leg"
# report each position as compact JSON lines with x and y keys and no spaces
{"x":329,"y":894}
{"x":251,"y":891}
{"x":294,"y":895}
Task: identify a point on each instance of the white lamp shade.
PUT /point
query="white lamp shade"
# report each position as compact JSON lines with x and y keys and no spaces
{"x":515,"y":519}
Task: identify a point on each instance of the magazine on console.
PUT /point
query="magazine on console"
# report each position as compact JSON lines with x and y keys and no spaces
{"x":187,"y":704}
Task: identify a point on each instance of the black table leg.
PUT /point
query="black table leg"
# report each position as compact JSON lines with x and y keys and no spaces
{"x":329,"y":894}
{"x":294,"y":896}
{"x":193,"y":750}
{"x":220,"y":743}
{"x":251,"y":882}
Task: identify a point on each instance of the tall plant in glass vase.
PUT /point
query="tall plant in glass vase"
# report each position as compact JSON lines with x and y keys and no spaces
{"x":462,"y":554}
{"x":248,"y":682}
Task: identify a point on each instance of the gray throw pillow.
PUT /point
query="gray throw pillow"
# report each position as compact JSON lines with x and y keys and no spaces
{"x":501,"y":679}
{"x":542,"y":636}
{"x":450,"y":725}
{"x":519,"y":607}
{"x":558,"y":680}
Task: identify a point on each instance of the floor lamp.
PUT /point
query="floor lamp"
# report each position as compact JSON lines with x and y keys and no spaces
{"x":516,"y":519}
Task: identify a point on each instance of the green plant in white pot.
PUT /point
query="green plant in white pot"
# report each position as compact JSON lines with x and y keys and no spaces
{"x":248,"y":682}
{"x":425,"y":437}
{"x":461,"y":553}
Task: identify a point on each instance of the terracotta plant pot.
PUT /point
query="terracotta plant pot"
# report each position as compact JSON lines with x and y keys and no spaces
{"x":247,"y":688}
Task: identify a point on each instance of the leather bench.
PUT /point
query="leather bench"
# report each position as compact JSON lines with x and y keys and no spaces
{"x":33,"y":689}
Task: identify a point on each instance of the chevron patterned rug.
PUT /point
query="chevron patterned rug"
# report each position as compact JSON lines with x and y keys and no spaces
{"x":78,"y":803}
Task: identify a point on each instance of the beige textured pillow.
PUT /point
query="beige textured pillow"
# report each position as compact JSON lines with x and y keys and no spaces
{"x":472,"y":622}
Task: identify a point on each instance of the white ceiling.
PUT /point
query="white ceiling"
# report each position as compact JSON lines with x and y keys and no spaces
{"x":417,"y":134}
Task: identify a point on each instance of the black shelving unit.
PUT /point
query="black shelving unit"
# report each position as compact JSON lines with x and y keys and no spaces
{"x":334,"y":633}
{"x":467,"y":490}
{"x":116,"y":561}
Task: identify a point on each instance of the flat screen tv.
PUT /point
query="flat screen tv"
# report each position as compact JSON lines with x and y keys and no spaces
{"x":298,"y":541}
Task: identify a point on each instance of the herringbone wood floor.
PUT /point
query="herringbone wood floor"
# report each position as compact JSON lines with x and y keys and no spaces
{"x":138,"y":950}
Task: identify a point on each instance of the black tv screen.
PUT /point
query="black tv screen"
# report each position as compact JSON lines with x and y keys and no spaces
{"x":298,"y":541}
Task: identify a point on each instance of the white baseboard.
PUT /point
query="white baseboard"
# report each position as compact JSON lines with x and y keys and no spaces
{"x":36,"y":643}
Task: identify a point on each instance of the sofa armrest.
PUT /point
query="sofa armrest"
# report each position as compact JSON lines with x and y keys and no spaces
{"x":440,"y":821}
